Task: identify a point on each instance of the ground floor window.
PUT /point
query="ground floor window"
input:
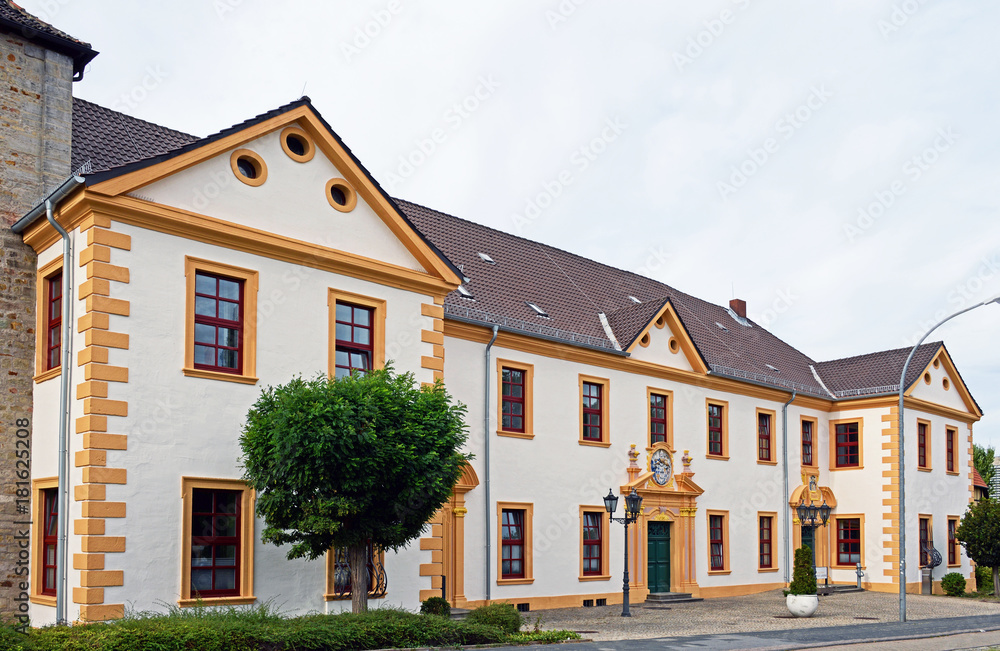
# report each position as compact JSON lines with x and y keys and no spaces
{"x":717,"y":543}
{"x":50,"y":513}
{"x":592,"y":561}
{"x":514,"y":553}
{"x":764,"y":536}
{"x":953,"y":553}
{"x":338,"y":581}
{"x":926,"y":541}
{"x":848,"y":541}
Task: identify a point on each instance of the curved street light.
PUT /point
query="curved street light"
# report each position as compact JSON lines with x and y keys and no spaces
{"x":902,"y":467}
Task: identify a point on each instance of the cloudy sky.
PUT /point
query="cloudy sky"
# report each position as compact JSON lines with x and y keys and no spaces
{"x":833,"y":164}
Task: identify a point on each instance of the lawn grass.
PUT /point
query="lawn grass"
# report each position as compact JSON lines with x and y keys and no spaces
{"x":262,"y":628}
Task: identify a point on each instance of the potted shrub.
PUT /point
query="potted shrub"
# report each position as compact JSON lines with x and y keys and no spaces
{"x":800,"y":597}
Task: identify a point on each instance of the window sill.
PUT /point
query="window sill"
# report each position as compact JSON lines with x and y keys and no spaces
{"x":216,"y":375}
{"x":761,"y":462}
{"x":43,"y":600}
{"x":596,"y":444}
{"x":515,"y":435}
{"x":514,"y":581}
{"x":852,"y":567}
{"x":48,"y":375}
{"x":763,"y":570}
{"x":347,"y":597}
{"x":952,"y":473}
{"x":719,"y":572}
{"x":847,"y":468}
{"x":717,"y":457}
{"x":595,"y":577}
{"x":924,"y":469}
{"x":954,"y":565}
{"x":216,"y":601}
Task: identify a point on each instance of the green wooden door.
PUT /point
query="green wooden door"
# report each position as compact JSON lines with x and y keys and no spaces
{"x":658,"y":555}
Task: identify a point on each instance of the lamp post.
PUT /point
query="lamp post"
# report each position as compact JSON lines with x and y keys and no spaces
{"x":902,"y":458}
{"x":812,"y":516}
{"x":633,"y":505}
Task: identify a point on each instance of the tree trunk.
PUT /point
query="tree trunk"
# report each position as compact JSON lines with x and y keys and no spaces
{"x":357,"y":557}
{"x":996,"y":580}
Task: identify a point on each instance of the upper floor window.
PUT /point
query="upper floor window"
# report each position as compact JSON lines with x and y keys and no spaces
{"x":807,"y":443}
{"x":716,"y":430}
{"x":593,"y":411}
{"x":923,"y":443}
{"x":513,"y":396}
{"x":218,"y":323}
{"x":657,"y":418}
{"x":764,"y":437}
{"x":53,"y":321}
{"x":355,"y":343}
{"x":950,"y":436}
{"x":848,"y":445}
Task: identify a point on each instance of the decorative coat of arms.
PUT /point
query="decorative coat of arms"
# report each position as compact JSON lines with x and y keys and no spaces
{"x":662,"y":466}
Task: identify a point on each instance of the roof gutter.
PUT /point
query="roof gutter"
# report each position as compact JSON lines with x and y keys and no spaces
{"x":39,"y":211}
{"x":535,"y":335}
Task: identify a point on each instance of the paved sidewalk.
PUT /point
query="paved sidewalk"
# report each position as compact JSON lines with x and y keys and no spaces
{"x":767,"y":612}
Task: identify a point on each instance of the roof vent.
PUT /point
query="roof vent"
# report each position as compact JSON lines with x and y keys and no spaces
{"x":634,"y":299}
{"x":464,"y":292}
{"x":539,"y":311}
{"x":773,"y":368}
{"x":487,"y":259}
{"x":722,"y":326}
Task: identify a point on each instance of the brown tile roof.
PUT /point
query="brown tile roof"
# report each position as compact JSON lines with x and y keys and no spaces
{"x":875,"y":373}
{"x":977,"y":479}
{"x":104,"y":139}
{"x":16,"y":19}
{"x":572,"y":290}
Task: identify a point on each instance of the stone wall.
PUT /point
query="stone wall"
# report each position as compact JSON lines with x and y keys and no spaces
{"x":36,"y":106}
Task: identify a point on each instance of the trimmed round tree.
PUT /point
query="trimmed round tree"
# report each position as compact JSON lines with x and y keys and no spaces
{"x":346,"y":462}
{"x":979,"y":534}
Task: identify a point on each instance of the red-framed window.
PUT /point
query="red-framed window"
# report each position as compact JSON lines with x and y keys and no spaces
{"x":657,"y":418}
{"x":218,"y":323}
{"x":592,"y":561}
{"x":50,"y":539}
{"x":807,"y":443}
{"x":764,"y":540}
{"x":763,"y":437}
{"x":952,"y":542}
{"x":593,"y":408}
{"x":512,"y":535}
{"x":922,"y":445}
{"x":215,"y":542}
{"x":717,"y":542}
{"x":926,"y":540}
{"x":513,"y":399}
{"x":848,"y":541}
{"x":949,"y":435}
{"x":342,"y":570}
{"x":355,"y":341}
{"x":848,"y":445}
{"x":53,"y":321}
{"x":715,"y":430}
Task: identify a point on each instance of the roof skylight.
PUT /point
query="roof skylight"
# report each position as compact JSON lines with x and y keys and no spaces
{"x":722,"y":326}
{"x":463,"y":290}
{"x":634,"y":299}
{"x":539,"y":311}
{"x":773,"y":368}
{"x":487,"y":259}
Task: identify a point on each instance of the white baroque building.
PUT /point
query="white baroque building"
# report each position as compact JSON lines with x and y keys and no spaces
{"x":204,"y":269}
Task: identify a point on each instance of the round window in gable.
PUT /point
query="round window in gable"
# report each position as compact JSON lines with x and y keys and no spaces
{"x":660,"y":322}
{"x":946,"y":384}
{"x":937,"y":362}
{"x":297,"y":145}
{"x":645,"y":340}
{"x":341,"y":195}
{"x":248,"y":167}
{"x":674,"y":345}
{"x":927,"y":378}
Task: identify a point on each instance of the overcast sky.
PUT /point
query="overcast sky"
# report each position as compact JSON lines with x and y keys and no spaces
{"x":832,"y":163}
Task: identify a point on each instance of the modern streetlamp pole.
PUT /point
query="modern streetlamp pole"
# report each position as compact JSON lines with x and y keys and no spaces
{"x":633,"y":505}
{"x":902,"y":451}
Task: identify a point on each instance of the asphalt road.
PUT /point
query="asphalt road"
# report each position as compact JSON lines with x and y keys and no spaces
{"x":900,"y":635}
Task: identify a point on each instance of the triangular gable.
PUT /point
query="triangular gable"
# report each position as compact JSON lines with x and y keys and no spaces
{"x":667,"y":317}
{"x":131,"y":178}
{"x":945,"y":386}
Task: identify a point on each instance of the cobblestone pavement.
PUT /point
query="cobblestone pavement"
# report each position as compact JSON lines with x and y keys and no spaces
{"x":753,"y":613}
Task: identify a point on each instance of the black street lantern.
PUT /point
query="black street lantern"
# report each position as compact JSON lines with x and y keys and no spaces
{"x":812,"y":516}
{"x":633,"y":506}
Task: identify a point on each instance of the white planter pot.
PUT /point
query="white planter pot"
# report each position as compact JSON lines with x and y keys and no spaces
{"x":802,"y":605}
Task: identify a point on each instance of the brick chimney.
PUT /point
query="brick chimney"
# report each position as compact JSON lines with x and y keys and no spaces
{"x":739,"y":306}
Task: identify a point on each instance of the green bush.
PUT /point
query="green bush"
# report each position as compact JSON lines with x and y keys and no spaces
{"x":984,"y":579}
{"x":953,"y":584}
{"x":803,"y":575}
{"x":435,"y":606}
{"x":503,"y":616}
